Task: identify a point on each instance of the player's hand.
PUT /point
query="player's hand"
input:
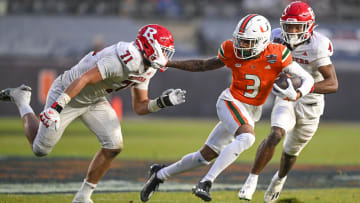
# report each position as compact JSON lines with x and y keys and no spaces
{"x":50,"y":118}
{"x":157,"y":65}
{"x":288,"y":94}
{"x":171,"y":97}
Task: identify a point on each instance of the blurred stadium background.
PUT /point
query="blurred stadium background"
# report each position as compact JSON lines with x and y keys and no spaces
{"x":39,"y":39}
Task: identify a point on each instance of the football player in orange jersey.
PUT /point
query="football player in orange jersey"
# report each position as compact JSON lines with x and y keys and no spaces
{"x":255,"y":64}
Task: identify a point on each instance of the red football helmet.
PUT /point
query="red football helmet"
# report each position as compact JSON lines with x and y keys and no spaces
{"x":300,"y":14}
{"x":156,"y":44}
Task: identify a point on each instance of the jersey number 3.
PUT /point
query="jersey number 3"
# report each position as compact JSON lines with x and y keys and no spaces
{"x":254,"y":88}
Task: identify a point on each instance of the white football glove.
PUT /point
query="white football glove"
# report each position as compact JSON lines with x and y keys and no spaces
{"x":288,"y":94}
{"x":169,"y":97}
{"x":50,"y":118}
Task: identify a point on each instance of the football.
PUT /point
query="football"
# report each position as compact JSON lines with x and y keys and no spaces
{"x":281,"y":81}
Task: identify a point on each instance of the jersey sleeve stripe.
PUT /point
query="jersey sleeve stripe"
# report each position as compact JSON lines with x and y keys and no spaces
{"x":221,"y":51}
{"x":236,"y":113}
{"x":285,"y":54}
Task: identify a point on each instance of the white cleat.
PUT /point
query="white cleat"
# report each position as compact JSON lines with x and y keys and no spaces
{"x":248,"y":189}
{"x":273,"y":191}
{"x":19,"y":95}
{"x":81,"y":199}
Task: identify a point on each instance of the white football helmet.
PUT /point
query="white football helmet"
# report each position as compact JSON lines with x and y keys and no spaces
{"x":251,"y":36}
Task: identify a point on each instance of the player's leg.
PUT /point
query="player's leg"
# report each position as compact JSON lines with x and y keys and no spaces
{"x":102,"y":120}
{"x":294,"y":143}
{"x":282,"y":118}
{"x":217,"y":139}
{"x":21,"y":96}
{"x":207,"y":153}
{"x":239,"y":123}
{"x":47,"y":138}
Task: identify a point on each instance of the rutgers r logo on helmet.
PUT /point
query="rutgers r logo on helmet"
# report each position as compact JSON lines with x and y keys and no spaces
{"x":149,"y":34}
{"x":156,"y":44}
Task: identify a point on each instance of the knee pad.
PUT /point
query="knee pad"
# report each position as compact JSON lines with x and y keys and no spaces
{"x":246,"y":140}
{"x":40,"y":150}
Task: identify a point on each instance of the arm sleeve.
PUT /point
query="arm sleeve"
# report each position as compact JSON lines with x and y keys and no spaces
{"x":307,"y":80}
{"x":322,"y":62}
{"x":110,"y":66}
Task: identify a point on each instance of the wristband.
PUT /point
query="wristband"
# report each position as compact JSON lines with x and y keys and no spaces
{"x":153,"y":105}
{"x":63,"y":99}
{"x":57,"y":107}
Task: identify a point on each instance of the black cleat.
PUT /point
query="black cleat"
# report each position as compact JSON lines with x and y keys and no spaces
{"x":5,"y":95}
{"x":152,"y":184}
{"x":202,"y":190}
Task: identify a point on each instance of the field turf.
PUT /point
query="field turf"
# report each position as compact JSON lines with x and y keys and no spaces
{"x":154,"y":139}
{"x":338,"y":195}
{"x":168,"y":140}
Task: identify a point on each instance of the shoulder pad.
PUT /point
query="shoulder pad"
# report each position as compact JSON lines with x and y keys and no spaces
{"x":130,"y":57}
{"x":226,"y":50}
{"x":321,"y":46}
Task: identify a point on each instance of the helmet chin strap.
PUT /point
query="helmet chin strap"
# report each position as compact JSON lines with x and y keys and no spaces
{"x":293,"y":38}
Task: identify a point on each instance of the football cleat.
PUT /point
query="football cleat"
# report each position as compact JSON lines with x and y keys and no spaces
{"x":152,"y":184}
{"x":248,"y":189}
{"x":273,"y":191}
{"x":80,"y":200}
{"x":202,"y":190}
{"x":21,"y":94}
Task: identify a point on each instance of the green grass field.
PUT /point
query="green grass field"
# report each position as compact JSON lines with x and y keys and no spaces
{"x":164,"y":140}
{"x":148,"y":139}
{"x":340,"y":195}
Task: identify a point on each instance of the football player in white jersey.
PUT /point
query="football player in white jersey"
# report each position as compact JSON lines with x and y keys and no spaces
{"x":297,"y":121}
{"x":80,"y":93}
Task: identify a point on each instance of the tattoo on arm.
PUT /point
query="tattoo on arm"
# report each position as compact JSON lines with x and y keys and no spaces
{"x":197,"y":65}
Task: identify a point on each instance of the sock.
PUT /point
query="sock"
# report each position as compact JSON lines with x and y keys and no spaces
{"x":24,"y":109}
{"x":229,"y":154}
{"x":252,"y":178}
{"x":85,"y":190}
{"x":186,"y":163}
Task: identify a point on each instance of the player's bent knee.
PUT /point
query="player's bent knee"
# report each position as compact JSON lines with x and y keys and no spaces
{"x":111,"y":153}
{"x":41,"y":151}
{"x":275,"y":136}
{"x":246,"y":140}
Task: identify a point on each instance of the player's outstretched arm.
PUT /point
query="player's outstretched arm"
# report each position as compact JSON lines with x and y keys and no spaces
{"x":197,"y":65}
{"x":143,"y":105}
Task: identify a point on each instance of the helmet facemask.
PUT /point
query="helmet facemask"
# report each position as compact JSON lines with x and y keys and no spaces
{"x":245,"y":48}
{"x":294,"y":38}
{"x":161,"y":56}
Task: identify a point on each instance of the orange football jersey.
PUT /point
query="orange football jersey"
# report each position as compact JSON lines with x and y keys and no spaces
{"x":253,"y":79}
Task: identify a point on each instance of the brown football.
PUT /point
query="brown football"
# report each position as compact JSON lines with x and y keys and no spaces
{"x":281,"y":81}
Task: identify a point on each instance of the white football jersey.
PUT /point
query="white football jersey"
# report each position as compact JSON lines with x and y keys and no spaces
{"x":310,"y":55}
{"x":120,"y":65}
